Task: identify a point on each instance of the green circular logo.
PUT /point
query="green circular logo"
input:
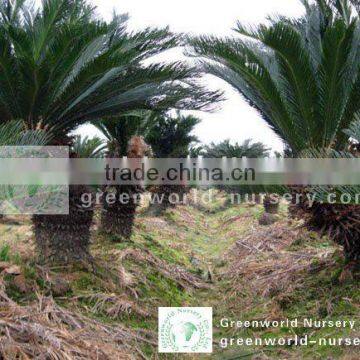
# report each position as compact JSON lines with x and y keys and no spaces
{"x":186,"y":330}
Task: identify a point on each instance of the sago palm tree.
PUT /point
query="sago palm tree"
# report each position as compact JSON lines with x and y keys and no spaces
{"x":62,"y":67}
{"x":124,"y":138}
{"x":245,"y":149}
{"x":118,"y":131}
{"x":340,"y":222}
{"x":302,"y":75}
{"x":171,"y":137}
{"x":14,"y":133}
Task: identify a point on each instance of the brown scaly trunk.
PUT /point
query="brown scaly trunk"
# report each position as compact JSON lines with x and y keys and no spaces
{"x":342,"y":224}
{"x":270,"y":206}
{"x":338,"y":221}
{"x":299,"y":205}
{"x":118,"y":218}
{"x":163,"y":197}
{"x":65,"y":239}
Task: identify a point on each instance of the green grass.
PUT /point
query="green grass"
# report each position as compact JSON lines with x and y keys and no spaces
{"x":5,"y":252}
{"x":198,"y":238}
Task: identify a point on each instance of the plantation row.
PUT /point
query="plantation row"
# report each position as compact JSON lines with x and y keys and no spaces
{"x":62,"y":67}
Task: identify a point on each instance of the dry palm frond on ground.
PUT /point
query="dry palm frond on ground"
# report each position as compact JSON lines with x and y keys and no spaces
{"x":180,"y":275}
{"x":46,"y":330}
{"x":263,"y":260}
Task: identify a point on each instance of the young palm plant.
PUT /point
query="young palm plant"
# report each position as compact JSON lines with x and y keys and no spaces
{"x":63,"y":67}
{"x":125,"y":138}
{"x":302,"y":75}
{"x":14,"y":133}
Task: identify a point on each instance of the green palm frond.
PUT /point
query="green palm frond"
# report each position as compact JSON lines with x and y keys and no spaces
{"x":298,"y":84}
{"x":61,"y":67}
{"x":84,"y":147}
{"x":246,"y":149}
{"x":14,"y":133}
{"x":237,"y":63}
{"x":335,"y":86}
{"x":353,"y":132}
{"x":302,"y":75}
{"x":118,"y":131}
{"x":171,"y":136}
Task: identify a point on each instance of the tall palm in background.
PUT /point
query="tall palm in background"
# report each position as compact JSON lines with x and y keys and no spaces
{"x":62,"y":67}
{"x":247,"y":149}
{"x":171,"y":137}
{"x":124,"y":138}
{"x":302,"y":75}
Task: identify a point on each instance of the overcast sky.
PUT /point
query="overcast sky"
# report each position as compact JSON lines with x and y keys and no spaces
{"x":235,"y":119}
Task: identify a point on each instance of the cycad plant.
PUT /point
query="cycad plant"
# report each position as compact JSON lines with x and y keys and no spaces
{"x":119,"y":131}
{"x":61,"y":67}
{"x":14,"y":133}
{"x":340,"y":222}
{"x":124,"y":138}
{"x":302,"y":75}
{"x":248,"y":149}
{"x":227,"y":149}
{"x":171,"y":137}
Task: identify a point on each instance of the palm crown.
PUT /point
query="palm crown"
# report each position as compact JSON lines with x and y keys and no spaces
{"x":302,"y":75}
{"x":61,"y":67}
{"x":172,"y":136}
{"x":227,"y":149}
{"x":118,"y":131}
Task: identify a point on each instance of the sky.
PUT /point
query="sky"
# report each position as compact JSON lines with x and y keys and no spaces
{"x":235,"y":119}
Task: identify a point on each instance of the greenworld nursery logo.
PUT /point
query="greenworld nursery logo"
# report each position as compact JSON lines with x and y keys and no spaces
{"x":185,"y":329}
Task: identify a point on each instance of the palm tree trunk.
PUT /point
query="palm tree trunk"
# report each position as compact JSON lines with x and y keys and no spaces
{"x":65,"y":239}
{"x":341,"y":223}
{"x":270,"y":205}
{"x":167,"y":196}
{"x":118,"y":219}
